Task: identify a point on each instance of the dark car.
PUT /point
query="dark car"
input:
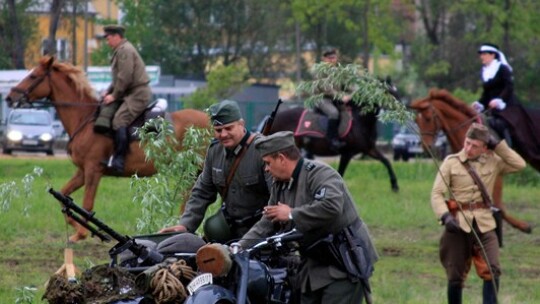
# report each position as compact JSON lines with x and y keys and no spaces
{"x":28,"y":130}
{"x":407,"y":143}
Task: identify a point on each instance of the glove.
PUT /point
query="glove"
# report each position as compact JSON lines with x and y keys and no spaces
{"x":493,"y":142}
{"x":450,"y":223}
{"x":478,"y":107}
{"x":497,"y":103}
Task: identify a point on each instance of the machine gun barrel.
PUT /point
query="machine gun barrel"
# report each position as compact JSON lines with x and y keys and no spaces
{"x":84,"y":217}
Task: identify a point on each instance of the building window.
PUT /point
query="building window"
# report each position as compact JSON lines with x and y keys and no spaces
{"x":62,"y":48}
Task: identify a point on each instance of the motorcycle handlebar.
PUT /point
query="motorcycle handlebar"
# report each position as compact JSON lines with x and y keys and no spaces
{"x":289,"y":236}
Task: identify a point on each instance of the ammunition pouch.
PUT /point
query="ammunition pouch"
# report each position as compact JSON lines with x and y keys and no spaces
{"x":346,"y":250}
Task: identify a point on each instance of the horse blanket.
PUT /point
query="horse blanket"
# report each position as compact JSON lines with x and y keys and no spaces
{"x":314,"y":124}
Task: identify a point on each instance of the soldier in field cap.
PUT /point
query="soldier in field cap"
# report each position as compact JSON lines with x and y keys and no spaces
{"x":458,"y":244}
{"x":244,"y":190}
{"x":127,"y":96}
{"x":224,"y":113}
{"x":312,"y":197}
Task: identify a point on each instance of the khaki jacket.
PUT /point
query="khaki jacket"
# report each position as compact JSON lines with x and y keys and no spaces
{"x":128,"y":71}
{"x":488,"y":166}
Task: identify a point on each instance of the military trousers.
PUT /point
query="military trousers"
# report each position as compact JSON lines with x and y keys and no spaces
{"x":328,"y":108}
{"x":338,"y":292}
{"x":456,"y":252}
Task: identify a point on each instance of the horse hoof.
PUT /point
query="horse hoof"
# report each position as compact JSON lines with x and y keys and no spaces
{"x":526,"y":229}
{"x":395,"y":189}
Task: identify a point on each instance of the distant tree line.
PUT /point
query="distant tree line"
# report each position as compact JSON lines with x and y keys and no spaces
{"x":435,"y":42}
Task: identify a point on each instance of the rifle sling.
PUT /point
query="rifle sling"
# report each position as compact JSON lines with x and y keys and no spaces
{"x":234,"y":166}
{"x":479,"y":183}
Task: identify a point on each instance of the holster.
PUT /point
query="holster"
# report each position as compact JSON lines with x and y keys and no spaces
{"x":497,"y":215}
{"x":345,"y":250}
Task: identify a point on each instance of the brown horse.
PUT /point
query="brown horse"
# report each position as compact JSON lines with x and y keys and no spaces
{"x":68,"y":90}
{"x":441,"y":111}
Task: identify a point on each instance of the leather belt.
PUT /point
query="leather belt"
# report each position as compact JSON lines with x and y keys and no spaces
{"x":474,"y":205}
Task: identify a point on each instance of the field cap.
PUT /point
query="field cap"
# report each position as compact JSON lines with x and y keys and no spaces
{"x":112,"y":29}
{"x":479,"y":132}
{"x":276,"y":142}
{"x":224,"y":112}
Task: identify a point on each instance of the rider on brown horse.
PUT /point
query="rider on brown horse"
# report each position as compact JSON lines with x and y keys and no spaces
{"x":127,"y":96}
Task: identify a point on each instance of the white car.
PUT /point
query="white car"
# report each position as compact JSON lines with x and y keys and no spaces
{"x":28,"y":130}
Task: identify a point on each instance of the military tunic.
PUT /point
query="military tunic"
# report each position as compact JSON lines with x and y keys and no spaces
{"x":321,"y":204}
{"x":248,"y":191}
{"x":130,"y":84}
{"x":488,"y":167}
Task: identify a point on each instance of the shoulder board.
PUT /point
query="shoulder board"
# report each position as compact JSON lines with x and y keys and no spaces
{"x":309,"y":166}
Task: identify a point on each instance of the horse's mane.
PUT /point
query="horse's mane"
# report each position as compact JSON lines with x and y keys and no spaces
{"x":75,"y":75}
{"x":455,"y":103}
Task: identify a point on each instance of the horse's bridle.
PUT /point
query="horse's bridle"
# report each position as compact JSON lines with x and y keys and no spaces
{"x":437,"y":122}
{"x":24,"y":100}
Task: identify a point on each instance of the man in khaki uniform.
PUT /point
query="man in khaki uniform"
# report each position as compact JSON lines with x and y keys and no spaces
{"x":127,"y":96}
{"x":312,"y":197}
{"x":458,"y":244}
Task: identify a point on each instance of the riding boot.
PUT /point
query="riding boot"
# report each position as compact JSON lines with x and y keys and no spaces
{"x":332,"y":134}
{"x":116,"y":163}
{"x":489,"y":293}
{"x":455,"y":292}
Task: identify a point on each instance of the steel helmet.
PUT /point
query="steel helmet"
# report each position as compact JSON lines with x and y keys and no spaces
{"x":216,"y":228}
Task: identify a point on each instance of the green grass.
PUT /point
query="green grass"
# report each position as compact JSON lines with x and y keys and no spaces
{"x":403,"y":226}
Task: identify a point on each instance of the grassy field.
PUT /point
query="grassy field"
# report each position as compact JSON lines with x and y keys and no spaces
{"x":402,"y":224}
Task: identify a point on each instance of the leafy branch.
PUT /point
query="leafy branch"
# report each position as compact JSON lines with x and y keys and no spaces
{"x":367,"y":91}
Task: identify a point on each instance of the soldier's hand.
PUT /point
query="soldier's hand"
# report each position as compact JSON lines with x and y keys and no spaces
{"x":277,"y":213}
{"x":492,"y":142}
{"x":450,"y":223}
{"x":177,"y":228}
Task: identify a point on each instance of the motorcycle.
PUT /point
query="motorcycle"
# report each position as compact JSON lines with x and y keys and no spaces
{"x":264,"y":273}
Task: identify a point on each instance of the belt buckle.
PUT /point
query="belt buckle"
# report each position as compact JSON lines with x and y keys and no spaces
{"x":472,"y":205}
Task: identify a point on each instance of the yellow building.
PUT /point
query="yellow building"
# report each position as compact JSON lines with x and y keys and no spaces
{"x":76,"y":32}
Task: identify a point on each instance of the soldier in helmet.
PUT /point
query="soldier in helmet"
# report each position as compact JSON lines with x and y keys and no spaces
{"x":244,"y":193}
{"x":126,"y":98}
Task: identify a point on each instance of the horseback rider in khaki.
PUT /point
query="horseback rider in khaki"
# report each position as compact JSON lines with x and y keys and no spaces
{"x":126,"y":98}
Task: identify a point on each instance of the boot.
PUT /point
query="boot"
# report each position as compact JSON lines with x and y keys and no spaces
{"x":116,"y":162}
{"x":454,"y":293}
{"x":489,"y":293}
{"x":332,"y":134}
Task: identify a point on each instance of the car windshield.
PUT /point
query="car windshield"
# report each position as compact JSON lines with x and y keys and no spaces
{"x":30,"y":118}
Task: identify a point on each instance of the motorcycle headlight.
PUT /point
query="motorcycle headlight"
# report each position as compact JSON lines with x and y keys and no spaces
{"x":15,"y":135}
{"x":46,"y":137}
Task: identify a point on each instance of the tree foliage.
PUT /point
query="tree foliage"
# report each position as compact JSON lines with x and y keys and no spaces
{"x":15,"y":35}
{"x":368,"y":92}
{"x":161,"y":194}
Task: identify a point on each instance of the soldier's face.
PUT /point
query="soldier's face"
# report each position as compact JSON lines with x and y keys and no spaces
{"x":113,"y":40}
{"x":276,"y":166}
{"x":230,"y":135}
{"x":474,"y":148}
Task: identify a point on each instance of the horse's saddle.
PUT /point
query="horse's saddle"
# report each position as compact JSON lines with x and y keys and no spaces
{"x":312,"y":123}
{"x":153,"y":110}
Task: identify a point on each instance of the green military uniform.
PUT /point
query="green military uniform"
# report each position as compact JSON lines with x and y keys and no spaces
{"x":458,"y":248}
{"x":247,"y":194}
{"x":248,"y":190}
{"x":321,"y":205}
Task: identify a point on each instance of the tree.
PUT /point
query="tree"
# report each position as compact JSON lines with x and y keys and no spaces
{"x":16,"y":28}
{"x":55,"y":13}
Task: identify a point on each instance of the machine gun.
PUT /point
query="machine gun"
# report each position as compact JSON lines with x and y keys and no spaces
{"x":85,"y":218}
